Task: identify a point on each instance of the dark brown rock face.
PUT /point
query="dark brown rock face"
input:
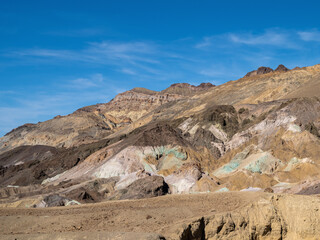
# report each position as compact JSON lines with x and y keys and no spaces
{"x":159,"y":134}
{"x":259,"y":71}
{"x":205,"y":85}
{"x":314,"y":189}
{"x":151,"y":186}
{"x":281,"y":68}
{"x":264,"y":70}
{"x":204,"y":137}
{"x":54,"y":200}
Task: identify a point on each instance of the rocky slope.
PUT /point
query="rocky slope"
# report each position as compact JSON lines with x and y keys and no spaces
{"x":93,"y":123}
{"x":259,"y":133}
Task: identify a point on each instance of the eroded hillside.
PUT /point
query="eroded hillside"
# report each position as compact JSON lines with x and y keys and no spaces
{"x":259,"y":133}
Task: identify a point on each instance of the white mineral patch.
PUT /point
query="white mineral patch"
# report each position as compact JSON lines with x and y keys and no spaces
{"x":129,"y":160}
{"x":112,"y":168}
{"x":72,"y":202}
{"x":295,"y":161}
{"x":126,"y":180}
{"x":185,"y":125}
{"x":224,"y":189}
{"x":294,"y":128}
{"x":182,"y":185}
{"x":48,"y":180}
{"x":281,"y":186}
{"x":269,"y":125}
{"x":19,"y":163}
{"x":220,"y":146}
{"x":179,"y":183}
{"x":307,"y":160}
{"x":265,"y":128}
{"x":194,"y":129}
{"x":218,"y":133}
{"x":251,"y":189}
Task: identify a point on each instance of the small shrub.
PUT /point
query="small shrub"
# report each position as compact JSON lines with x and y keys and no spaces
{"x":242,"y":110}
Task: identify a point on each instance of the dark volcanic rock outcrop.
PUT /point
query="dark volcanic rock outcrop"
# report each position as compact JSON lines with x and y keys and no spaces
{"x":147,"y":187}
{"x":259,"y":71}
{"x":159,"y":134}
{"x":281,"y":68}
{"x":23,"y":154}
{"x":265,"y":70}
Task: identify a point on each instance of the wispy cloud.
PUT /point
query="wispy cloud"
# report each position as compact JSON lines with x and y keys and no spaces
{"x":128,"y":71}
{"x":65,"y":54}
{"x":94,"y":80}
{"x":206,"y":41}
{"x":270,"y":37}
{"x":130,"y":53}
{"x":240,"y":52}
{"x":126,"y":48}
{"x":125,"y":55}
{"x":310,"y":36}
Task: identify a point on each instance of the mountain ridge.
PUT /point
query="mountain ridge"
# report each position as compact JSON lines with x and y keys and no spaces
{"x":259,"y":132}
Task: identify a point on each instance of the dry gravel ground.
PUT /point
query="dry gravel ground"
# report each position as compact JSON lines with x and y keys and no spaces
{"x":127,"y":219}
{"x":230,"y":215}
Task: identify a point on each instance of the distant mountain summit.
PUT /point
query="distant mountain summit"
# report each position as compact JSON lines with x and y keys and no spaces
{"x":186,"y":88}
{"x":265,"y":70}
{"x":281,"y":68}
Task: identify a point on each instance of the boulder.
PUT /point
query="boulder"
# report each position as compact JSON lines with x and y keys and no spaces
{"x":151,"y":186}
{"x":55,"y":200}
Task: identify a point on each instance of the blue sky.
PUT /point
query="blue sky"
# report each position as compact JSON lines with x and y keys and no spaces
{"x":57,"y":56}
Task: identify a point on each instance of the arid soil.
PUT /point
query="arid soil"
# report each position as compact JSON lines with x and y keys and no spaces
{"x":233,"y":215}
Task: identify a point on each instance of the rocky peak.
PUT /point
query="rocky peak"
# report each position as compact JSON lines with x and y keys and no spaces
{"x":144,"y":96}
{"x":135,"y":103}
{"x":186,"y":88}
{"x":259,"y":71}
{"x":187,"y":85}
{"x":143,"y":90}
{"x":297,"y":68}
{"x":205,"y":85}
{"x":265,"y":70}
{"x":281,"y":68}
{"x":182,"y":85}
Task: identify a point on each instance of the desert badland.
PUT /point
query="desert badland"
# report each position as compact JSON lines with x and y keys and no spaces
{"x":236,"y":161}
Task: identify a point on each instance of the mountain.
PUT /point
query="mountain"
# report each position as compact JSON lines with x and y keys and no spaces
{"x":261,"y":131}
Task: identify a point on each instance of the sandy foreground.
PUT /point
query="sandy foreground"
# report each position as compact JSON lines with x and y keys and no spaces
{"x":163,"y":217}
